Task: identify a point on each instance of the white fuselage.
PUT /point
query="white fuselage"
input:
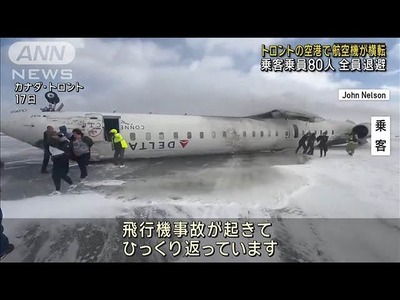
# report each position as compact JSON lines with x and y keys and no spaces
{"x":153,"y":135}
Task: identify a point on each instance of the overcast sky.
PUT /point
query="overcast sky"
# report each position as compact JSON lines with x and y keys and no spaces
{"x":215,"y":76}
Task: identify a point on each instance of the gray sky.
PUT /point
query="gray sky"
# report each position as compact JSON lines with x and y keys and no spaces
{"x":215,"y":76}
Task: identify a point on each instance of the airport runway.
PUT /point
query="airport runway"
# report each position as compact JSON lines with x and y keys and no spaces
{"x":86,"y":224}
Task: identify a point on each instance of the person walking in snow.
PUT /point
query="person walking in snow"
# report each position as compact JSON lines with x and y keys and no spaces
{"x":81,"y":145}
{"x":46,"y":142}
{"x":60,"y":154}
{"x":323,"y":143}
{"x":302,"y":141}
{"x":310,"y":144}
{"x":352,"y":144}
{"x":118,"y":144}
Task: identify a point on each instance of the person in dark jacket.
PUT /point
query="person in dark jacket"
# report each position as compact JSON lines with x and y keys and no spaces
{"x":323,"y":143}
{"x":81,"y":145}
{"x":302,"y":141}
{"x":60,"y":156}
{"x":310,"y":144}
{"x":46,"y":155}
{"x":5,"y":246}
{"x":63,"y":130}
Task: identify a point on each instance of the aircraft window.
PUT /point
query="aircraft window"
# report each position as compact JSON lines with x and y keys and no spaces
{"x":261,"y":133}
{"x":302,"y":132}
{"x":269,"y":132}
{"x":175,"y":135}
{"x":287,"y":133}
{"x":333,"y":131}
{"x":253,"y":134}
{"x":244,"y":133}
{"x":213,"y":134}
{"x":161,"y":135}
{"x":224,"y":134}
{"x":202,"y":135}
{"x":295,"y":131}
{"x":276,"y":133}
{"x":189,"y":135}
{"x":132,"y":136}
{"x":148,"y":136}
{"x":320,"y":132}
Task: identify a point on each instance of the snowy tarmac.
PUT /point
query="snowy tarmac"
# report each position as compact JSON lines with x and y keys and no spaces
{"x":335,"y":208}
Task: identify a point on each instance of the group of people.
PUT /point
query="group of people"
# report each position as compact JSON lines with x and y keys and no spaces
{"x":307,"y":141}
{"x":62,"y":146}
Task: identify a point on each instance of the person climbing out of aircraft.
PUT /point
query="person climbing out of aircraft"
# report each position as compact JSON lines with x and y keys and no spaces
{"x":302,"y":141}
{"x":310,"y":144}
{"x":323,"y":143}
{"x":63,"y":130}
{"x":118,"y":145}
{"x":352,"y":144}
{"x":60,"y":153}
{"x":46,"y":154}
{"x":81,"y":145}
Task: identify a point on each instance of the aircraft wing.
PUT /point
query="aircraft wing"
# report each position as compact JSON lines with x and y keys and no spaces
{"x":288,"y":115}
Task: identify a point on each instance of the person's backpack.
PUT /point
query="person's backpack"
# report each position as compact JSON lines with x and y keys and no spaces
{"x":88,"y":141}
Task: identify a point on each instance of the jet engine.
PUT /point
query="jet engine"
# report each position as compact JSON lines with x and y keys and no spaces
{"x":363,"y":131}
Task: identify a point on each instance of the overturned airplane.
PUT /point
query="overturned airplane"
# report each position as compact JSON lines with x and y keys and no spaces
{"x":154,"y":135}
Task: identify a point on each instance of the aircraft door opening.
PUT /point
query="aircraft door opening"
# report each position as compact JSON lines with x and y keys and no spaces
{"x":296,"y":131}
{"x":94,"y":127}
{"x":110,"y":123}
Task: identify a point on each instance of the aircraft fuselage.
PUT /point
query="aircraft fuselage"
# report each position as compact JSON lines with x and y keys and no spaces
{"x":153,"y":135}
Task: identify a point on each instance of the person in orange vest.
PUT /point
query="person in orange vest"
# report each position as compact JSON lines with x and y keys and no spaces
{"x":118,"y":145}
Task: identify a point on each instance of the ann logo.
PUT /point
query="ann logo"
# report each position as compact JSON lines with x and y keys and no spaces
{"x":41,"y":53}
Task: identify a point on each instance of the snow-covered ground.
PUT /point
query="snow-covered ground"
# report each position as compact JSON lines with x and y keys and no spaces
{"x":335,"y":208}
{"x":342,"y":186}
